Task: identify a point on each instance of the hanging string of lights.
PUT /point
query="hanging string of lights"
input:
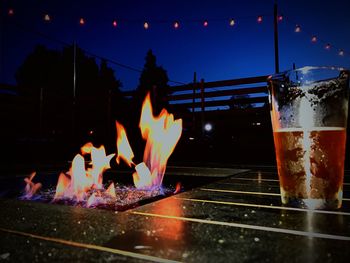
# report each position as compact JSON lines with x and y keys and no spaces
{"x":147,"y":23}
{"x":314,"y":39}
{"x":232,"y":22}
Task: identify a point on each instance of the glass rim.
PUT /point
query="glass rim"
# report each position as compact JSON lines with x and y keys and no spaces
{"x":304,"y":70}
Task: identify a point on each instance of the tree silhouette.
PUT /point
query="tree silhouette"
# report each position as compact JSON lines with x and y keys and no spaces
{"x":154,"y":79}
{"x":46,"y":78}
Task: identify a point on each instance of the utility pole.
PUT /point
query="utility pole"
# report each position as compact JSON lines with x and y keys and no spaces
{"x":202,"y":105}
{"x":194,"y":99}
{"x":74,"y":88}
{"x":275,"y":26}
{"x":2,"y":37}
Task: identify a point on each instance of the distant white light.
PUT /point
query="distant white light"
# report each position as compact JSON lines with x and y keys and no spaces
{"x":208,"y":127}
{"x":47,"y":18}
{"x":176,"y":24}
{"x":191,"y":138}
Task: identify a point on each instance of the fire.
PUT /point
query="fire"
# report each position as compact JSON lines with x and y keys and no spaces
{"x":177,"y":188}
{"x":111,"y":191}
{"x":142,"y":177}
{"x":31,"y":188}
{"x":100,"y":163}
{"x":87,"y":148}
{"x":79,"y":181}
{"x":83,"y":183}
{"x":161,"y":134}
{"x":124,"y":150}
{"x":62,"y":185}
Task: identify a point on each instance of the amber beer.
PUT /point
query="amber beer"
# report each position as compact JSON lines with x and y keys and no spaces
{"x":311,"y":166}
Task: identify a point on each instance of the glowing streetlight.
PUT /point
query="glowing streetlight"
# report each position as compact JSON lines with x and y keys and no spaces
{"x":208,"y":127}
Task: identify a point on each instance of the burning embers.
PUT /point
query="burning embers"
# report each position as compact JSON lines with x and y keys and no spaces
{"x":83,"y":183}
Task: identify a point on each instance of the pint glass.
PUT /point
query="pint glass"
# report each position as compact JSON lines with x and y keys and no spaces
{"x":309,"y":108}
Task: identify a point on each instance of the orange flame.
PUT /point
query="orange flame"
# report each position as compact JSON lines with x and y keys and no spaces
{"x":80,"y":180}
{"x":177,"y":188}
{"x":161,"y":134}
{"x":31,"y":188}
{"x":92,"y":200}
{"x":86,"y":149}
{"x":124,"y":150}
{"x":111,"y":191}
{"x":100,"y":163}
{"x":62,"y":185}
{"x":142,"y":177}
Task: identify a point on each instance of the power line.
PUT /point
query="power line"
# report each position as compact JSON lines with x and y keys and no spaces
{"x":63,"y":43}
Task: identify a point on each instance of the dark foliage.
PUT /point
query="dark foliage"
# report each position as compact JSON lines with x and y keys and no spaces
{"x":154,"y":79}
{"x":59,"y":111}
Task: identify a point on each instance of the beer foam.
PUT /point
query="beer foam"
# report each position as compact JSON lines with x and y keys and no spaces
{"x":309,"y":129}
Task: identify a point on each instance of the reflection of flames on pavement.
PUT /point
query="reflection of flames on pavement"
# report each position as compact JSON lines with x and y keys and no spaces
{"x":84,"y":183}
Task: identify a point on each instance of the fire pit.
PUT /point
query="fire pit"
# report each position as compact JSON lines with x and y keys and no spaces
{"x":178,"y":179}
{"x":83,"y":183}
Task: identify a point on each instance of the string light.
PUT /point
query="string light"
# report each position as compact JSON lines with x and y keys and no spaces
{"x":11,"y":12}
{"x":82,"y":21}
{"x":47,"y":18}
{"x":176,"y":24}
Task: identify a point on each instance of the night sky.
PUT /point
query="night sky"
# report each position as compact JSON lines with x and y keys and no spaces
{"x":215,"y":52}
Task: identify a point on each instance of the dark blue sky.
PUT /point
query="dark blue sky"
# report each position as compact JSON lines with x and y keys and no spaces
{"x":215,"y":52}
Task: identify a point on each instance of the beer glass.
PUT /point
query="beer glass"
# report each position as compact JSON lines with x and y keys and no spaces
{"x":309,"y":108}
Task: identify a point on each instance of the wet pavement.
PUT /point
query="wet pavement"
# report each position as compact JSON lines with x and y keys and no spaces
{"x":233,"y":219}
